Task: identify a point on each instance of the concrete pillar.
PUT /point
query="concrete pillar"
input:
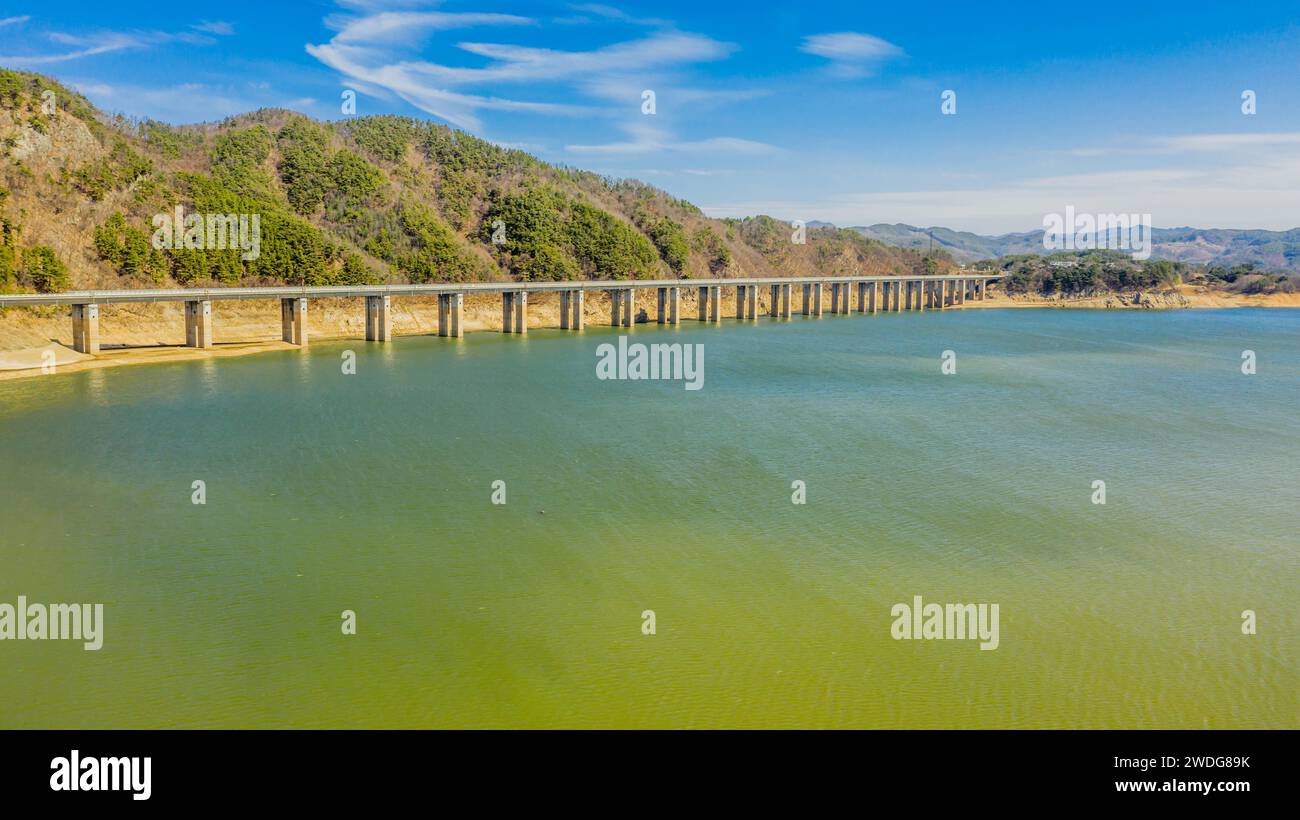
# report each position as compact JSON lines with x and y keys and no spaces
{"x":661,"y":305}
{"x":753,"y":302}
{"x":379,"y":319}
{"x":577,"y":299}
{"x":293,"y":321}
{"x":740,"y":301}
{"x":674,"y":306}
{"x":564,"y":309}
{"x":920,"y":295}
{"x":862,"y":297}
{"x":835,"y":297}
{"x":897,"y":287}
{"x":774,"y":301}
{"x":629,"y":307}
{"x":521,"y":311}
{"x":984,"y":289}
{"x":615,"y":302}
{"x":817,"y":298}
{"x":451,"y":310}
{"x":198,"y":323}
{"x":961,"y":291}
{"x":507,"y":311}
{"x":85,"y":328}
{"x":715,"y":304}
{"x":785,"y":300}
{"x":807,"y":300}
{"x":703,"y":304}
{"x":872,"y":288}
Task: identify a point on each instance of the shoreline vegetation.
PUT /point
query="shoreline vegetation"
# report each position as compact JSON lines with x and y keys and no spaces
{"x":154,"y":333}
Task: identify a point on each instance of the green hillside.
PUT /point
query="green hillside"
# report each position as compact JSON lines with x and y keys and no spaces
{"x":363,"y":200}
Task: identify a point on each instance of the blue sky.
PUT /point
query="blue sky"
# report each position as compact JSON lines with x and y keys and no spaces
{"x":830,"y":112}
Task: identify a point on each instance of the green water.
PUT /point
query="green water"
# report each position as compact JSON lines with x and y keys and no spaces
{"x":372,"y":492}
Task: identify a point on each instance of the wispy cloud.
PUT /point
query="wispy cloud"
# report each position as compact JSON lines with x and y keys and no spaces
{"x":851,"y":54}
{"x":379,"y":49}
{"x":14,"y":21}
{"x":648,"y":140}
{"x":1255,"y":193}
{"x":104,"y":43}
{"x":188,"y":102}
{"x":80,"y":46}
{"x":217,"y":27}
{"x":602,"y":12}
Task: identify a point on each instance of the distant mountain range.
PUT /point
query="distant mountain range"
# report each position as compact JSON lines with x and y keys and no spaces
{"x":1268,"y":250}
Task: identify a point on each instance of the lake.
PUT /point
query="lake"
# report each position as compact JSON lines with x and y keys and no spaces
{"x":373,"y":493}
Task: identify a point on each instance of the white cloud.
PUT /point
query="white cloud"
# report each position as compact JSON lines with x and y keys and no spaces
{"x":1252,"y":194}
{"x":851,"y":54}
{"x":82,"y":47}
{"x":648,"y":140}
{"x":187,"y":102}
{"x":378,"y":50}
{"x":218,"y":27}
{"x":15,"y":21}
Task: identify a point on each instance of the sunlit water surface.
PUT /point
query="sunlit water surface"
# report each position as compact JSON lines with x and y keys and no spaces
{"x":371,"y":492}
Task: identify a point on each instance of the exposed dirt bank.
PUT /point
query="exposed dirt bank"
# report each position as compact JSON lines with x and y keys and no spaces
{"x":144,"y":333}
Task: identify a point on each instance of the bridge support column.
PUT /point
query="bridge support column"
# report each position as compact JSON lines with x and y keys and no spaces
{"x":198,"y":323}
{"x":807,"y":300}
{"x":508,"y":311}
{"x":961,"y":291}
{"x":85,"y":328}
{"x":674,"y":306}
{"x":293,"y":321}
{"x":740,"y":302}
{"x":817,"y":298}
{"x":661,"y":305}
{"x":774,"y":298}
{"x":862,"y":297}
{"x":785,"y":300}
{"x":702,"y":303}
{"x":872,"y":287}
{"x":521,"y":311}
{"x":577,"y":301}
{"x":451,"y":310}
{"x":629,"y":307}
{"x":752,"y":301}
{"x":835,"y":298}
{"x":379,"y":319}
{"x":715,"y":304}
{"x":571,"y":310}
{"x":920,"y":295}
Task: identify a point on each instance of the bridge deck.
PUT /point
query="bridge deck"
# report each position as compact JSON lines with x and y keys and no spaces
{"x":104,"y":297}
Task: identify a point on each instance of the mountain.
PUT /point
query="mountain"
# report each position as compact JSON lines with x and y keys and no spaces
{"x":360,"y":200}
{"x":1226,"y":248}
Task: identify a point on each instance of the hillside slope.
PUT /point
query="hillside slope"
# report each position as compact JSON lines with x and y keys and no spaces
{"x":364,"y":200}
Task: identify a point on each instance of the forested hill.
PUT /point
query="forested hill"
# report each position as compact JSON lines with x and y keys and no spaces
{"x":362,"y":200}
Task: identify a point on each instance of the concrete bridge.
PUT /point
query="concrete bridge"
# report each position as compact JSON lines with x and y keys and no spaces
{"x":873,"y":294}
